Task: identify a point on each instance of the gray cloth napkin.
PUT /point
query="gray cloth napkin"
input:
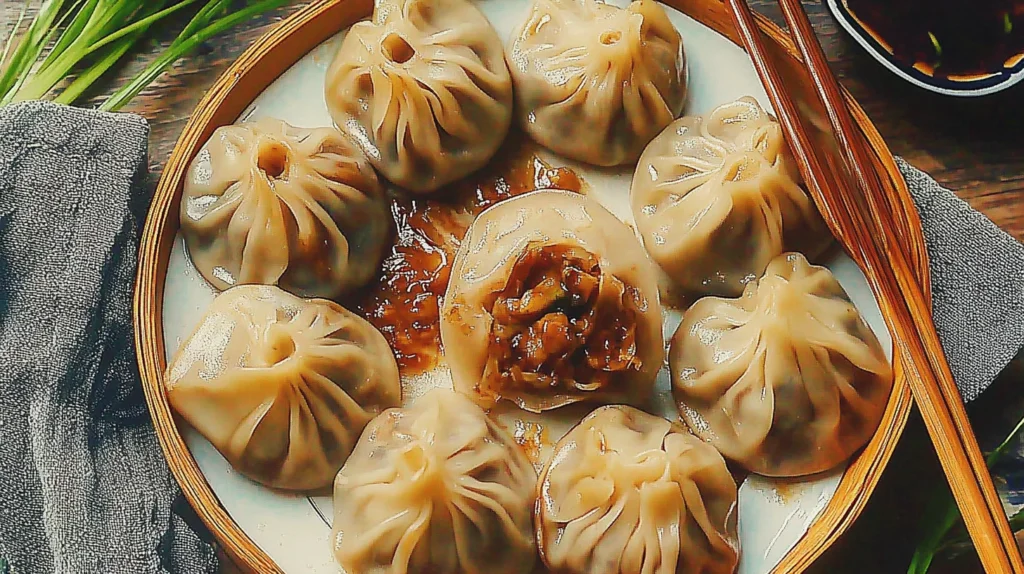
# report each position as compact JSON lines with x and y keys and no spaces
{"x":977,"y":273}
{"x":84,"y":486}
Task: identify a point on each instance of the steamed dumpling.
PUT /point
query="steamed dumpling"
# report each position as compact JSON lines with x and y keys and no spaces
{"x":282,"y":386}
{"x":436,"y":487}
{"x":786,"y":380}
{"x":627,"y":493}
{"x":424,"y":89}
{"x":552,"y":301}
{"x":716,"y":198}
{"x":595,"y":82}
{"x":268,"y":203}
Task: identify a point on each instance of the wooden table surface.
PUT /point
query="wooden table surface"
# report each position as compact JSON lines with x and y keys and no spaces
{"x":974,"y":147}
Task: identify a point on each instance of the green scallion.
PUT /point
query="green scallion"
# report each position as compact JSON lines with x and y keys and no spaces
{"x":941,"y":520}
{"x":935,"y":44}
{"x":68,"y":46}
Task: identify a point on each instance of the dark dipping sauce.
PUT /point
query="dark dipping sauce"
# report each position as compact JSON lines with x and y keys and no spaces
{"x":947,"y":38}
{"x":404,"y":300}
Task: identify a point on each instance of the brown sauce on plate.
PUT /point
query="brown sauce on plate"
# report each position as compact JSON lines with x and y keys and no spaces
{"x":531,"y":437}
{"x":404,"y":300}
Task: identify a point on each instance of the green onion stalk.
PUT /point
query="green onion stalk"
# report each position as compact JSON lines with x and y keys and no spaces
{"x":944,"y":530}
{"x":68,"y":45}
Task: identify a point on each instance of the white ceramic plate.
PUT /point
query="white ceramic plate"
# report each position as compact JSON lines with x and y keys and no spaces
{"x":294,"y":530}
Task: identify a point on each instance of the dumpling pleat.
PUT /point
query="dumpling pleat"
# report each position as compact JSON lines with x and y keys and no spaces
{"x":660,"y":474}
{"x":277,"y":411}
{"x":439,"y":472}
{"x":245,"y":225}
{"x":822,"y":380}
{"x":736,"y":153}
{"x":440,"y":100}
{"x":583,"y":67}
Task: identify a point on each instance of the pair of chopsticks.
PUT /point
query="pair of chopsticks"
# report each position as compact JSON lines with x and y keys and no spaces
{"x":836,"y":164}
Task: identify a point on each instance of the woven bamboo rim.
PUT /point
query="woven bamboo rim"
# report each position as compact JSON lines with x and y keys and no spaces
{"x":272,"y":55}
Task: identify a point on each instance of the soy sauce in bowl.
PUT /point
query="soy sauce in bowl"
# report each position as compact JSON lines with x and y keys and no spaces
{"x":949,"y":44}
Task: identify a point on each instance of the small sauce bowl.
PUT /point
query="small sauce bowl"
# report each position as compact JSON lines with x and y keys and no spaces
{"x":919,"y":57}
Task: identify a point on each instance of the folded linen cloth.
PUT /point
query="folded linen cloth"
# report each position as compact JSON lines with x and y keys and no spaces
{"x":977,"y":273}
{"x":84,"y":486}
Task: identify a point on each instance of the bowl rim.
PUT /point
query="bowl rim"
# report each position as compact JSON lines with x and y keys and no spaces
{"x":992,"y":83}
{"x":273,"y":54}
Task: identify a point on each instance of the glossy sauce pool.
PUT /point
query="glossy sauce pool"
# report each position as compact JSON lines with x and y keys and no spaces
{"x":404,"y":300}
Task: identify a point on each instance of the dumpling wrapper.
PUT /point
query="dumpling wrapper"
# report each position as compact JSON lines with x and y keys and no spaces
{"x":716,"y":198}
{"x":497,"y":290}
{"x":595,"y":82}
{"x":627,"y":492}
{"x":435,"y":487}
{"x":282,"y":386}
{"x":424,"y":89}
{"x":786,"y":380}
{"x":268,"y":203}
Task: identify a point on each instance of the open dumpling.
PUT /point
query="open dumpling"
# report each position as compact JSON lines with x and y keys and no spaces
{"x":595,"y":82}
{"x":424,"y":89}
{"x":282,"y":386}
{"x":786,"y":380}
{"x":716,"y":198}
{"x":552,"y":301}
{"x":435,"y":487}
{"x":268,"y":203}
{"x":627,"y":492}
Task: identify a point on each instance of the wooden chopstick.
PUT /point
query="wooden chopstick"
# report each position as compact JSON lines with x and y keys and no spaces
{"x":858,"y":160}
{"x":863,"y":213}
{"x":939,"y":384}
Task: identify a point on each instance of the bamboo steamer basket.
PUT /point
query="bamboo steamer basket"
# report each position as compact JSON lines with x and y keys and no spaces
{"x":282,"y":47}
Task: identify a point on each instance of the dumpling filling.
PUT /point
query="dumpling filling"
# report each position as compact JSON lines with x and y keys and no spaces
{"x":561,"y":324}
{"x":551,"y":302}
